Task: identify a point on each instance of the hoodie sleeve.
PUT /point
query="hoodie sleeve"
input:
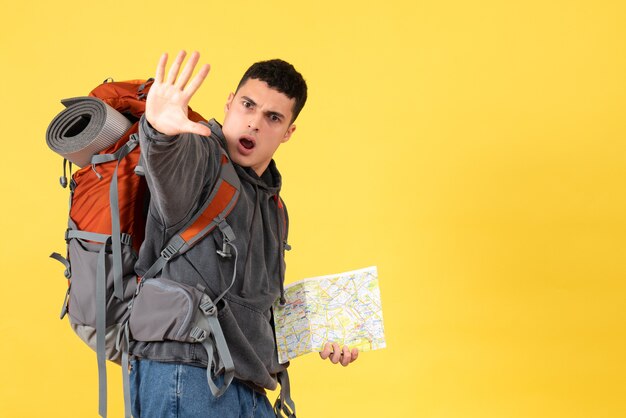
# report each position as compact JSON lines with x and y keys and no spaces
{"x":178,"y":168}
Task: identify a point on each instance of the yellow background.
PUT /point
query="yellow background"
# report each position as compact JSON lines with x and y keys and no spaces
{"x":474,"y":151}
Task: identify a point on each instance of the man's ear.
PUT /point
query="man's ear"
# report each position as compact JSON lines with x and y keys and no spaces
{"x":289,"y":132}
{"x":229,"y":101}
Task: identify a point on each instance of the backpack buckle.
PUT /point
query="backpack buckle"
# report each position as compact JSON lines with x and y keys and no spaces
{"x":126,"y":239}
{"x":208,"y":307}
{"x":168,"y":252}
{"x":198,"y":334}
{"x":225,"y":251}
{"x":227,"y":236}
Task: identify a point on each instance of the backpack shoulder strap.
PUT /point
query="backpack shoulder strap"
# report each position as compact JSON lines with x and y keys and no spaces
{"x":216,"y":208}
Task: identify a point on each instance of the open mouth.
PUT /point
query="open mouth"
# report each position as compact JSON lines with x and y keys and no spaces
{"x":246,"y":143}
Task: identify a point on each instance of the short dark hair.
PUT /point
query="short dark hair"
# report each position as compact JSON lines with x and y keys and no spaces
{"x":281,"y":76}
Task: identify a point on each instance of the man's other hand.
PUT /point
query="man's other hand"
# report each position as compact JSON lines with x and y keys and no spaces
{"x":336,"y":355}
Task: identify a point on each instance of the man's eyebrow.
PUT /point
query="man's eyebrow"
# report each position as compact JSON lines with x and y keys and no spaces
{"x":272,"y":113}
{"x":269,"y":112}
{"x":247,"y":99}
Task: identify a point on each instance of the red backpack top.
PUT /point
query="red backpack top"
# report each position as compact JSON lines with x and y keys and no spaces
{"x":90,"y":207}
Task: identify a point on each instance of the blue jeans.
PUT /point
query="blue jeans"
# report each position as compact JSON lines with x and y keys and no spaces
{"x":175,"y":390}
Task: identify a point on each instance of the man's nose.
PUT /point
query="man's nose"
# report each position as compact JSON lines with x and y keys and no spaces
{"x":253,"y":122}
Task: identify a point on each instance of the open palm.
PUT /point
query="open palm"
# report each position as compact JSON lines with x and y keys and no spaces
{"x":167,"y":105}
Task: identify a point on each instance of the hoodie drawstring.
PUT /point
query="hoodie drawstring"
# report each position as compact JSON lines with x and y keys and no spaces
{"x":247,"y":262}
{"x":281,"y":220}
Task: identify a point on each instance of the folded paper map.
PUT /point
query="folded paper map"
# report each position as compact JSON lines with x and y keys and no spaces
{"x":343,"y":308}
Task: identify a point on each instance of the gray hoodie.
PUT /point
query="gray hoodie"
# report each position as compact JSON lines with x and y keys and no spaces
{"x":180,"y":172}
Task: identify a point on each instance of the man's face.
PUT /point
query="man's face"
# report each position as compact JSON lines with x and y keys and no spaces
{"x":257,"y":120}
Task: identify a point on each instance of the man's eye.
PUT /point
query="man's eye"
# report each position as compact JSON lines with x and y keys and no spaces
{"x":274,"y":118}
{"x":247,"y":104}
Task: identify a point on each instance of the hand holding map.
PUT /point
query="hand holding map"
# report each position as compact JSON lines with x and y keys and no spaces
{"x":342,"y":308}
{"x":336,"y":355}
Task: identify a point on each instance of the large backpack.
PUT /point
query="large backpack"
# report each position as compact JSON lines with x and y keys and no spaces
{"x":107,"y":215}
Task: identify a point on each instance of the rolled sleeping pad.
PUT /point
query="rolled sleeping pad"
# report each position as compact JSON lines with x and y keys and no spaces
{"x":85,"y":127}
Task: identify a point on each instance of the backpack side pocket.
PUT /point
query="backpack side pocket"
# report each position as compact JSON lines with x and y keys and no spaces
{"x":83,"y":256}
{"x":164,"y":310}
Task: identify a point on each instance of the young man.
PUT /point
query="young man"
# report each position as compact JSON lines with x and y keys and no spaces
{"x":182,"y":162}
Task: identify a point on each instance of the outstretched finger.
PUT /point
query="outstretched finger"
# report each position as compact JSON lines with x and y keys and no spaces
{"x":187,"y":70}
{"x":197,"y":81}
{"x":173,"y":73}
{"x":160,"y":70}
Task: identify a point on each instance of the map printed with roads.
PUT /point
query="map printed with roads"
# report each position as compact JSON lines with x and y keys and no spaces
{"x":344,"y":308}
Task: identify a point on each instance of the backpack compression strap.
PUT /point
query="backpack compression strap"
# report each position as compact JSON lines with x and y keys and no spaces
{"x":209,"y":333}
{"x":116,"y":233}
{"x":284,"y":405}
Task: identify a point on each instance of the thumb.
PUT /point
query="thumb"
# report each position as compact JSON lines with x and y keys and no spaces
{"x":197,"y":128}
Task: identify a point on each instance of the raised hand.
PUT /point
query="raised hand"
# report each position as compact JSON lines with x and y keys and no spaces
{"x":167,"y":105}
